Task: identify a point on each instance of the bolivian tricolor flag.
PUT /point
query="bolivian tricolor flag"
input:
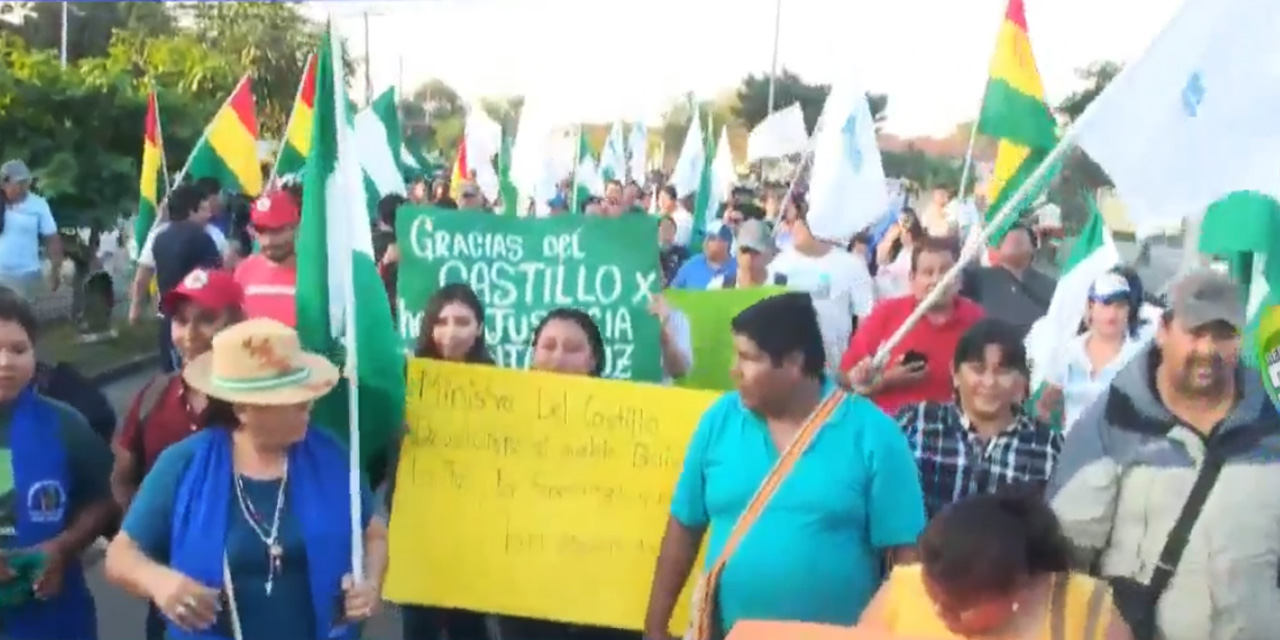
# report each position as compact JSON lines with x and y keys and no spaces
{"x":461,"y":170}
{"x":297,"y":137}
{"x":149,"y":182}
{"x":229,"y":149}
{"x":1014,"y":113}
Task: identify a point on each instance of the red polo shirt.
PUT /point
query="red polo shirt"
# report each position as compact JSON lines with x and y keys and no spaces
{"x":936,"y":340}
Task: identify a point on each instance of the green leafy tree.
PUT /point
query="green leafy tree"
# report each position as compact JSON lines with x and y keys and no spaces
{"x":504,"y":110}
{"x":921,"y":169}
{"x":1079,"y":172}
{"x":1095,"y":77}
{"x":434,"y":114}
{"x":789,"y":88}
{"x":88,"y":171}
{"x":90,"y":25}
{"x":270,"y":39}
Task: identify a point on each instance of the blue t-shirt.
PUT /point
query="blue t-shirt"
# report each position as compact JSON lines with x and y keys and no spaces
{"x":25,"y":223}
{"x":697,"y":273}
{"x":287,"y":612}
{"x":814,"y":554}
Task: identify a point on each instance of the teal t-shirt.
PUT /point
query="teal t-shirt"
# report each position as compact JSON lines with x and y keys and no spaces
{"x":814,"y":554}
{"x":287,"y":611}
{"x":89,"y":460}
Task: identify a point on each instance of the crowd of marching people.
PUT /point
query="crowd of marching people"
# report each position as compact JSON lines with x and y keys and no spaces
{"x":936,"y":495}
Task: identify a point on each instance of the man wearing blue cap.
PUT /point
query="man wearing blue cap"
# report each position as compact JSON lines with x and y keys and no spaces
{"x":711,"y":268}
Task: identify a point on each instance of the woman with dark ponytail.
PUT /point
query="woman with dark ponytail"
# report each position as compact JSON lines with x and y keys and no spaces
{"x":995,"y":566}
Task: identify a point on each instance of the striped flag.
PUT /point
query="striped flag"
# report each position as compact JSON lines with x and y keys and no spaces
{"x":229,"y":149}
{"x":297,"y":136}
{"x":343,"y":310}
{"x":378,"y":144}
{"x":1014,"y":113}
{"x":149,"y":183}
{"x":461,"y":170}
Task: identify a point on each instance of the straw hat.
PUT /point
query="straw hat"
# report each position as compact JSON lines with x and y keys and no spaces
{"x":260,"y":362}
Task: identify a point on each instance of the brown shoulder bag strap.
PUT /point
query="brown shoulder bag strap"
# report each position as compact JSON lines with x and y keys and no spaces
{"x":1093,"y":629}
{"x":1058,"y":607}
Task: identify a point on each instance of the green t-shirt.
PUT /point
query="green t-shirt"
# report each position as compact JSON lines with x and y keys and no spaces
{"x":89,"y":463}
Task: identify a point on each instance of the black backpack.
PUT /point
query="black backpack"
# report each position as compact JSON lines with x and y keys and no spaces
{"x":64,"y":383}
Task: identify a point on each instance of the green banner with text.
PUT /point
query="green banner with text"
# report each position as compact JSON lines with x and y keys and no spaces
{"x":522,"y":268}
{"x":710,"y":313}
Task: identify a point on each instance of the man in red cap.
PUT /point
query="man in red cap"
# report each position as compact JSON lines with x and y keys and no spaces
{"x":270,"y":276}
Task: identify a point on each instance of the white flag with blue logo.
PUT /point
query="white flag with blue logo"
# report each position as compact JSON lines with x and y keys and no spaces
{"x":613,"y":157}
{"x":1194,"y":118}
{"x":638,"y":153}
{"x":846,"y":187}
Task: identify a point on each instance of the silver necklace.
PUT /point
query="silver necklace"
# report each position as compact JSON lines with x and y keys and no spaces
{"x":269,"y":537}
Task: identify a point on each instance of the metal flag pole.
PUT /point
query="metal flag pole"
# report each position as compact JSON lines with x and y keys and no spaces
{"x":773,"y":69}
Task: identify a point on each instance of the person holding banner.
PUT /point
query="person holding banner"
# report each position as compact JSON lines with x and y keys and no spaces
{"x":453,"y":327}
{"x":453,"y":330}
{"x":569,"y":342}
{"x":995,"y":566}
{"x":803,"y":489}
{"x":244,"y":529}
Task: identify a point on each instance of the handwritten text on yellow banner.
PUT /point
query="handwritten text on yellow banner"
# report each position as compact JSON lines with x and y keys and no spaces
{"x":535,"y":494}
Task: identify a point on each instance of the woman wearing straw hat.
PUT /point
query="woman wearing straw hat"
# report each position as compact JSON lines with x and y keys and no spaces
{"x":244,"y":530}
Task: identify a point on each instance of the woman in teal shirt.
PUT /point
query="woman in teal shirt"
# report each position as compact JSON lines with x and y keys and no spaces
{"x":259,"y":496}
{"x":816,"y":552}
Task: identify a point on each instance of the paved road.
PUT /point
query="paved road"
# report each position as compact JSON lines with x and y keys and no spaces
{"x":120,"y":616}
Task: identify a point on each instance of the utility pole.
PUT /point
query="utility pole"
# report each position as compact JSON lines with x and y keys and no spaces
{"x":62,"y":50}
{"x":777,"y":33}
{"x":368,"y":73}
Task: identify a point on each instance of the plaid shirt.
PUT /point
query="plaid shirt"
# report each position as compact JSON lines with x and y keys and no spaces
{"x":955,"y":462}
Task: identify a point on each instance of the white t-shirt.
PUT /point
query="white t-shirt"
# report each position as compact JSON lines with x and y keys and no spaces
{"x":841,"y":288}
{"x":147,"y":257}
{"x":684,"y":226}
{"x":1080,"y":383}
{"x":682,"y":335}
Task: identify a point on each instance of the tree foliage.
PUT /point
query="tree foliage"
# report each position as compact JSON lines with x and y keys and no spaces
{"x":80,"y":128}
{"x":789,"y":88}
{"x":922,"y":169}
{"x":1096,"y":77}
{"x":1079,"y":171}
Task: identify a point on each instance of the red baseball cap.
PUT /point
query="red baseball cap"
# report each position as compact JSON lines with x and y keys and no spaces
{"x":212,"y":289}
{"x":275,"y":210}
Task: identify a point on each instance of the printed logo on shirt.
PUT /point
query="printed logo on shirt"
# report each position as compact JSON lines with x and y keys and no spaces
{"x":269,"y":290}
{"x":815,"y":283}
{"x":46,"y":501}
{"x":1268,"y":351}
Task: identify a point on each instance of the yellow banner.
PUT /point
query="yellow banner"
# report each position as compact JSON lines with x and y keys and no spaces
{"x":535,"y":494}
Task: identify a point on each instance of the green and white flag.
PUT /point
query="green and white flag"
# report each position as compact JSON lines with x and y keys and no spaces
{"x":1093,"y":253}
{"x":586,"y":177}
{"x":613,"y":158}
{"x":378,"y":147}
{"x":343,"y":309}
{"x":1244,"y":229}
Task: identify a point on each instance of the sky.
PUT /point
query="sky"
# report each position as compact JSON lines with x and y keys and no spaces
{"x":629,"y":59}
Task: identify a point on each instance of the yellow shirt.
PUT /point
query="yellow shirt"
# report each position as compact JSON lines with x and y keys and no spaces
{"x":909,"y":612}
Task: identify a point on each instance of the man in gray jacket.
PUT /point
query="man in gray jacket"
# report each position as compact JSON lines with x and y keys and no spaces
{"x":1129,"y":463}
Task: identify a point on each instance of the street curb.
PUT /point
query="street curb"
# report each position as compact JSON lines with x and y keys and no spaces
{"x":125,"y":369}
